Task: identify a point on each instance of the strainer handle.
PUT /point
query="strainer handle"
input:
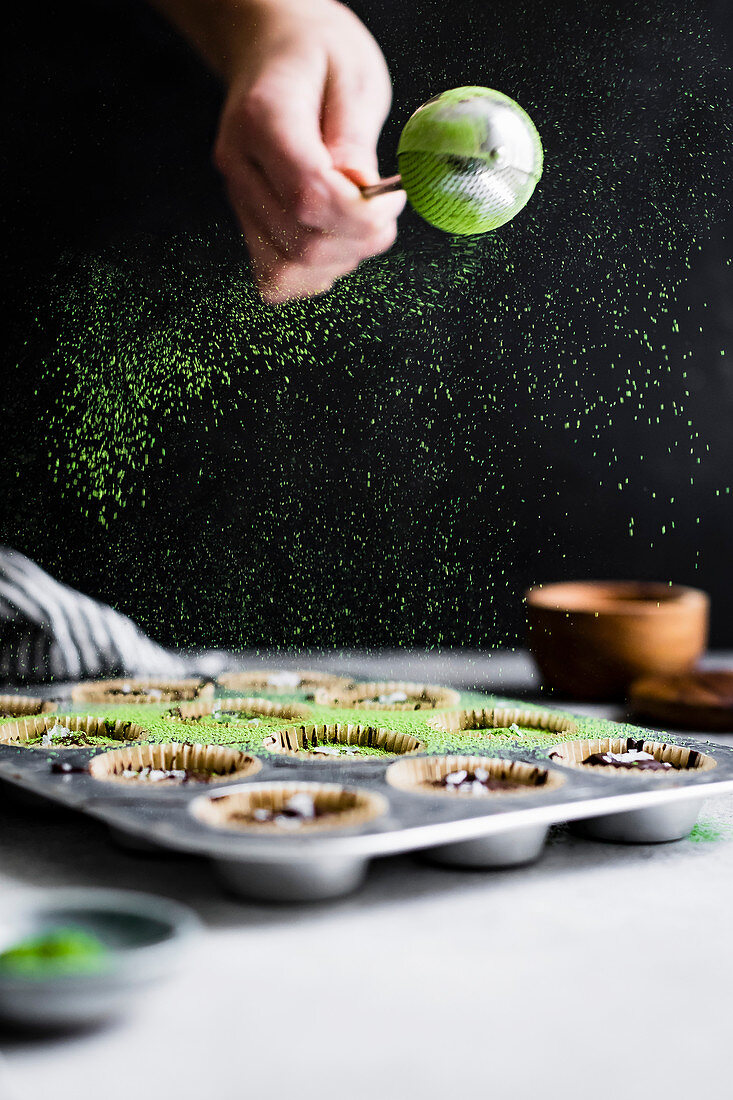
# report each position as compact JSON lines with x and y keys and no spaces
{"x":391,"y":183}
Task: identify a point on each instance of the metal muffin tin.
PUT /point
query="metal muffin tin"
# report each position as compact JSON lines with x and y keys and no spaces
{"x":494,"y":831}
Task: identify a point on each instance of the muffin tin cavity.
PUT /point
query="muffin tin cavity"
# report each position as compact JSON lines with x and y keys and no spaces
{"x":389,"y":695}
{"x":19,"y":706}
{"x":289,"y":808}
{"x":136,"y":691}
{"x":68,"y":731}
{"x":493,"y":718}
{"x":172,"y":765}
{"x":282,"y":681}
{"x":470,"y":777}
{"x":243,"y":708}
{"x":573,"y":754}
{"x":341,"y":742}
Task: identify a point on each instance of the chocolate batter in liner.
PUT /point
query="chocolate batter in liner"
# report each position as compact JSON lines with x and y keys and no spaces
{"x":335,"y":807}
{"x":574,"y":753}
{"x":282,"y":681}
{"x":202,"y":763}
{"x":502,"y":718}
{"x":18,"y":706}
{"x":304,"y":741}
{"x":197,"y":709}
{"x":426,"y":775}
{"x":394,"y":694}
{"x":86,"y":726}
{"x":136,"y":691}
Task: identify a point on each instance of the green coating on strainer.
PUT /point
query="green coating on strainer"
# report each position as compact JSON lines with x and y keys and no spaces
{"x":469,"y":160}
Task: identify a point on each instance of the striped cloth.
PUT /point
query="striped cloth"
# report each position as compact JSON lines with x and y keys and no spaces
{"x":49,"y":631}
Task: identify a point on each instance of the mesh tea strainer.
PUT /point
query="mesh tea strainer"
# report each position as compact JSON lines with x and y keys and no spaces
{"x":469,"y":160}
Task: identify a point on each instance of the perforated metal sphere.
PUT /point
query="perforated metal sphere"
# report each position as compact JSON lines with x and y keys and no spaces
{"x":469,"y":160}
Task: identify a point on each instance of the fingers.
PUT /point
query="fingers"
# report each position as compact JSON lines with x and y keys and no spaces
{"x":250,"y":194}
{"x":295,"y":147}
{"x":290,"y":153}
{"x":275,"y":123}
{"x":249,"y":190}
{"x":351,"y":121}
{"x":278,"y":279}
{"x":292,"y":255}
{"x":281,"y":277}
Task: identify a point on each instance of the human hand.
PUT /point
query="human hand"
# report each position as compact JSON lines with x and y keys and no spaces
{"x":308,"y":94}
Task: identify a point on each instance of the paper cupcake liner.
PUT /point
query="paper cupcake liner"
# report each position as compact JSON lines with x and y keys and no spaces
{"x":363,"y":696}
{"x":418,"y":776}
{"x":141,"y":691}
{"x":344,"y":807}
{"x":25,"y":729}
{"x":16,"y":706}
{"x":573,"y":753}
{"x":193,"y":711}
{"x":501,"y":718}
{"x":222,"y":764}
{"x":300,"y":740}
{"x":282,"y":680}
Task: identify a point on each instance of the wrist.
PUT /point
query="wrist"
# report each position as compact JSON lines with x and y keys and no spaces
{"x":234,"y":25}
{"x":246,"y":23}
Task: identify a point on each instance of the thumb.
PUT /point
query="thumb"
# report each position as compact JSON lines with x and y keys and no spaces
{"x":358,"y":166}
{"x":350,"y":126}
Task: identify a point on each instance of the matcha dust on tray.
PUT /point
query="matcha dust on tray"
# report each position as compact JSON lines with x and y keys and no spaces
{"x":469,"y":160}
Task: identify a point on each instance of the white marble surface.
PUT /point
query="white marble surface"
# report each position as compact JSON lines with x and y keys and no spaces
{"x":601,"y":972}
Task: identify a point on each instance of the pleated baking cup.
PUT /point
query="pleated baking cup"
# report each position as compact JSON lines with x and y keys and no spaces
{"x":282,"y":680}
{"x":367,"y":696}
{"x":421,"y":775}
{"x":141,"y":690}
{"x":196,"y":710}
{"x":337,"y":807}
{"x":18,"y":706}
{"x":215,"y":762}
{"x":492,"y":718}
{"x":304,"y":742}
{"x":573,"y":753}
{"x":27,"y":729}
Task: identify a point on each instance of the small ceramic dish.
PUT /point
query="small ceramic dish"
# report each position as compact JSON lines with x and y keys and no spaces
{"x":591,"y":639}
{"x":144,"y":937}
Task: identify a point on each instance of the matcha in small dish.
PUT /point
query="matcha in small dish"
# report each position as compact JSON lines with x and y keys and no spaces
{"x":77,"y":957}
{"x":57,"y":951}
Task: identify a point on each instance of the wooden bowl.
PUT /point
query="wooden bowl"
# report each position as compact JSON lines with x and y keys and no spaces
{"x":591,"y":639}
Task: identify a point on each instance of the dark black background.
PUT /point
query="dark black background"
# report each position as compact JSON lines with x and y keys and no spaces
{"x":109,"y":121}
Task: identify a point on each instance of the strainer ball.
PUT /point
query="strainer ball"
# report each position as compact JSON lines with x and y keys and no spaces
{"x":469,"y":160}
